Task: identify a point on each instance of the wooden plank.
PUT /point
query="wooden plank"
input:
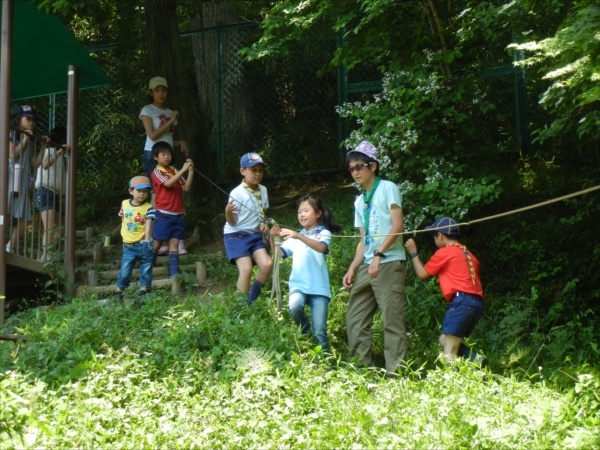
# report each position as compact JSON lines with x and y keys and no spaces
{"x":156,"y":272}
{"x":87,"y":290}
{"x":13,"y":337}
{"x":25,"y":263}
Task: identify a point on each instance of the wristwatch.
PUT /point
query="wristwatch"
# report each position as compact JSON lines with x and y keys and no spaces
{"x":378,"y":253}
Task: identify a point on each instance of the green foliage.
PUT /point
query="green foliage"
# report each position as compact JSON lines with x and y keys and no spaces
{"x":570,"y":61}
{"x":412,"y":123}
{"x":200,"y":373}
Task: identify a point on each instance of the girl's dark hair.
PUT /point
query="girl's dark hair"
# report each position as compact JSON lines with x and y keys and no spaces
{"x":58,"y":135}
{"x":16,"y":123}
{"x":160,"y":146}
{"x":359,"y":156}
{"x":326,"y":218}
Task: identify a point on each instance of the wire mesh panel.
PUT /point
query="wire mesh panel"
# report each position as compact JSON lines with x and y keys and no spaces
{"x":278,"y":108}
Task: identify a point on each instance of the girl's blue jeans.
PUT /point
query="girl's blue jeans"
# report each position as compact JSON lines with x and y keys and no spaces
{"x":318,"y":310}
{"x":143,"y":252}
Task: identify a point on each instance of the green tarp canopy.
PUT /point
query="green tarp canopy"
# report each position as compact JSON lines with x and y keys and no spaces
{"x":43,"y":48}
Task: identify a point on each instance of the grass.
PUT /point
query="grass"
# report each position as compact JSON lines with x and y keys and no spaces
{"x":207,"y":373}
{"x":201,"y":371}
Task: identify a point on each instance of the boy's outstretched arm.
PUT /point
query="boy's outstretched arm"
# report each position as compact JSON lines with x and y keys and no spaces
{"x":416,"y":262}
{"x":190,"y":175}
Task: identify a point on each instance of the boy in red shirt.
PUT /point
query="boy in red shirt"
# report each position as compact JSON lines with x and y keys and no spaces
{"x":458,"y":272}
{"x":169,"y":185}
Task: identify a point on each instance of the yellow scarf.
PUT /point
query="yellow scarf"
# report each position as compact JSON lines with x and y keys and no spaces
{"x":256,"y":194}
{"x":169,"y":174}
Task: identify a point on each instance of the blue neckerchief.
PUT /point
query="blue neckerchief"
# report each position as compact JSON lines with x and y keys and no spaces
{"x":316,"y":230}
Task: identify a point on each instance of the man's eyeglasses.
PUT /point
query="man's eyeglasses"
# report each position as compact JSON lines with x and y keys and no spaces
{"x":358,"y":167}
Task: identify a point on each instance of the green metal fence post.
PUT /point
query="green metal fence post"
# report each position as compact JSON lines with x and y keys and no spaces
{"x":521,"y":103}
{"x":220,"y":136}
{"x":342,"y":85}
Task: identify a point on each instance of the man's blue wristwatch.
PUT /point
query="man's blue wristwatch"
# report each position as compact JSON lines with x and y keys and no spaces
{"x":378,"y":253}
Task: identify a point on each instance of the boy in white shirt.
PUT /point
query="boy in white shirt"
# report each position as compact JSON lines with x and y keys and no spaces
{"x":245,"y":227}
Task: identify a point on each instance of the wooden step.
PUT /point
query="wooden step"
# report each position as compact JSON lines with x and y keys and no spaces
{"x":156,"y":272}
{"x":87,"y":234}
{"x":87,"y":290}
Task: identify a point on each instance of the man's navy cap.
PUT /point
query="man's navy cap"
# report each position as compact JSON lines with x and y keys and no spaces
{"x":445,"y":225}
{"x":251,"y":159}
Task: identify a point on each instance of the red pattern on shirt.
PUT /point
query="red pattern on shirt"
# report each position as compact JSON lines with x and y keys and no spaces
{"x":452,"y":269}
{"x":167,"y":199}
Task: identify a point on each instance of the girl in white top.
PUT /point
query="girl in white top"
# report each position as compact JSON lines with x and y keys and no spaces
{"x":50,"y":184}
{"x":159,"y":123}
{"x":309,"y":280}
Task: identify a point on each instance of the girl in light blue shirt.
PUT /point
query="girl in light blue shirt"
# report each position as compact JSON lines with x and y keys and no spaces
{"x":309,"y":281}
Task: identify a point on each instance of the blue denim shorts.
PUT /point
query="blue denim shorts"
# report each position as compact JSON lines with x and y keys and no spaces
{"x":462,"y":314}
{"x":46,"y":199}
{"x":168,"y":226}
{"x":149,"y":164}
{"x":242,"y":243}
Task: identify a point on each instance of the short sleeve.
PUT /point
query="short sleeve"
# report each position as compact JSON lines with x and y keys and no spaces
{"x":238,"y":200}
{"x":394,"y":195}
{"x":359,"y":220}
{"x":288,"y":247}
{"x":146,"y":111}
{"x":150,"y":213}
{"x":264,"y":197}
{"x":325,"y":238}
{"x":437,"y":261}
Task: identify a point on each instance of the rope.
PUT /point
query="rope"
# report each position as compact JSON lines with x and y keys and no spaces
{"x":275,"y":284}
{"x":496,"y":216}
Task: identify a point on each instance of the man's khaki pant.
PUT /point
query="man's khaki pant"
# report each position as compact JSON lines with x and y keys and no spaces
{"x":385,"y":292}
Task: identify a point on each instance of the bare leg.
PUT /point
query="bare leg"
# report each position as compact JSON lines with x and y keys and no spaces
{"x":451,"y":344}
{"x":16,"y":234}
{"x":245,"y":273}
{"x":265,"y":265}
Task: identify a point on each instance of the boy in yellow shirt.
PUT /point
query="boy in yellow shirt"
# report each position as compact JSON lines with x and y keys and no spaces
{"x":136,"y":230}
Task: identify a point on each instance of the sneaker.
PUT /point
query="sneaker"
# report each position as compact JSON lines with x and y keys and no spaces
{"x":163,"y":250}
{"x":182,"y":250}
{"x":241,"y":298}
{"x":142,"y":293}
{"x":482,"y":361}
{"x":119,"y":296}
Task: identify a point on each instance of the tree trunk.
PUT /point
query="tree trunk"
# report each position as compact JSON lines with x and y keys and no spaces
{"x":164,"y":49}
{"x":236,"y":126}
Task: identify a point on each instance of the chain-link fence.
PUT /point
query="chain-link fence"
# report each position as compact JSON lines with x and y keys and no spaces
{"x":279,"y":108}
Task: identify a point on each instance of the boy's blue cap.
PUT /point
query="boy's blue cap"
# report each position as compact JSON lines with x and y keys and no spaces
{"x":140,"y":183}
{"x":445,"y":225}
{"x":251,"y":159}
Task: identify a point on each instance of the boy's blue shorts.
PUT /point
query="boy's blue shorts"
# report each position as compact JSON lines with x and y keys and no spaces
{"x":242,"y":243}
{"x":168,"y":226}
{"x":462,"y":314}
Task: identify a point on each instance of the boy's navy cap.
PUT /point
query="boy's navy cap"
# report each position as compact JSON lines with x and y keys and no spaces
{"x":445,"y":225}
{"x":25,"y":111}
{"x":251,"y":159}
{"x":139,"y":182}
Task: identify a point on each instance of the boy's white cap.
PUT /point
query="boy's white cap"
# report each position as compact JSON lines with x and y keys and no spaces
{"x":158,"y":81}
